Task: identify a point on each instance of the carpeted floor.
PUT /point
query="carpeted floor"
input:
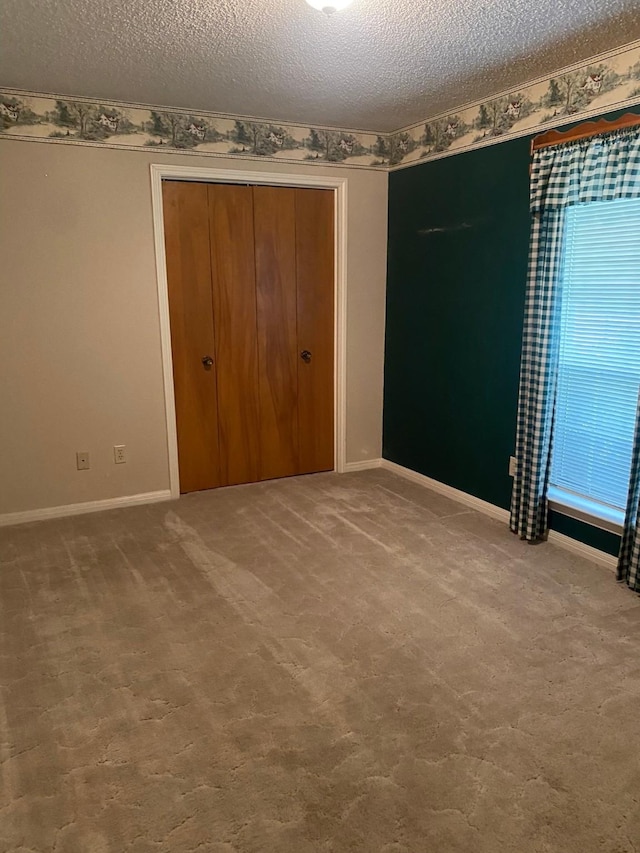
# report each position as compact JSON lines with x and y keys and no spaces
{"x":327,"y":663}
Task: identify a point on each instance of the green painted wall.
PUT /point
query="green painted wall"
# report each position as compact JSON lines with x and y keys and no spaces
{"x":458,"y":244}
{"x":458,"y":247}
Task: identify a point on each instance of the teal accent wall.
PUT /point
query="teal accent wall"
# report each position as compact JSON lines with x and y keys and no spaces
{"x":457,"y":267}
{"x":457,"y":264}
{"x":587,"y":533}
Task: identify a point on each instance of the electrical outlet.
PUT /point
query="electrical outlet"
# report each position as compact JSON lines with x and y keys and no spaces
{"x":512,"y":466}
{"x":82,"y":461}
{"x":119,"y":455}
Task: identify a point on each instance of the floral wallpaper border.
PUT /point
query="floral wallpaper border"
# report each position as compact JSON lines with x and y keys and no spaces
{"x":609,"y":81}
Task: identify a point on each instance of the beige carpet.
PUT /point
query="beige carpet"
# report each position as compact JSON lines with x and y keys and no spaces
{"x":327,"y":663}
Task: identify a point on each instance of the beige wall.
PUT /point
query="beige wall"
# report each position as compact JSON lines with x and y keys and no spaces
{"x":80,"y":364}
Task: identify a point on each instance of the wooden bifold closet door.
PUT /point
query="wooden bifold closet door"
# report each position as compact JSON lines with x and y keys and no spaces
{"x":251,"y":296}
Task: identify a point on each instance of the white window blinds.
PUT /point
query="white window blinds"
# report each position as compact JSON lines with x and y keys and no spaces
{"x":599,"y":360}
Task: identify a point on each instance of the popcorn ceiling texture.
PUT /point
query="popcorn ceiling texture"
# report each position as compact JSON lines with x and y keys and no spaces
{"x":611,"y":81}
{"x":379,"y":65}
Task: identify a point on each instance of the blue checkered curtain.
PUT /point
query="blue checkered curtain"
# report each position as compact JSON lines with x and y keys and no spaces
{"x":629,"y":559}
{"x":599,"y":168}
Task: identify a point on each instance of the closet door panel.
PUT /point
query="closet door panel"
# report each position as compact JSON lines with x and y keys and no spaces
{"x":234,"y":306}
{"x":274,"y":222}
{"x":315,"y":328}
{"x":186,"y":226}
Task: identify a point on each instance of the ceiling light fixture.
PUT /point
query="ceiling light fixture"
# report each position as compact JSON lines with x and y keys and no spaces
{"x":329,"y":6}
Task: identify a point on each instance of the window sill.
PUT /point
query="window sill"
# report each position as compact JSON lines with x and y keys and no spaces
{"x":583,"y":509}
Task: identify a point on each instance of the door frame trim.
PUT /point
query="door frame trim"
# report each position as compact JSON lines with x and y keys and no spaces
{"x":160,"y":172}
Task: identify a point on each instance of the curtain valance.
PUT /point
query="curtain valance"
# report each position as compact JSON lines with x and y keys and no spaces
{"x":599,"y":168}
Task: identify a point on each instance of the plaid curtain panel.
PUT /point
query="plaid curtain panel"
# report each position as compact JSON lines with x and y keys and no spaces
{"x":600,"y":168}
{"x":629,"y":559}
{"x":538,"y":368}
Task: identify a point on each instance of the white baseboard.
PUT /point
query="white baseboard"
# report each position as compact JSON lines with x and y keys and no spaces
{"x":582,"y":550}
{"x":448,"y":491}
{"x":496,"y":512}
{"x":364,"y":465}
{"x":500,"y":514}
{"x":82,"y":508}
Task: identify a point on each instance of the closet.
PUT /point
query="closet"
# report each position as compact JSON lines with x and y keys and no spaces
{"x":250,"y":272}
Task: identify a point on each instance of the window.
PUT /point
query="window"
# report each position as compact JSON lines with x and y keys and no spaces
{"x":599,"y":360}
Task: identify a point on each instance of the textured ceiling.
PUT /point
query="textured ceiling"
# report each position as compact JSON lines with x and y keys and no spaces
{"x":379,"y":65}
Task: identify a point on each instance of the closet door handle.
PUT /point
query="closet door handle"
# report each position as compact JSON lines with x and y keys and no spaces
{"x":305,"y":355}
{"x":207,"y":361}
